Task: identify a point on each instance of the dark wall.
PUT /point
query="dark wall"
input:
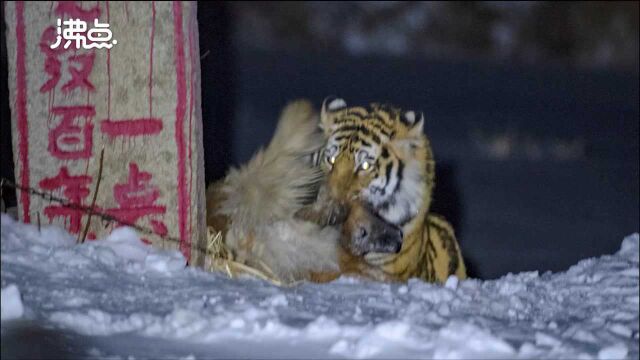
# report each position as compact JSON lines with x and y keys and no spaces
{"x":217,"y":72}
{"x":6,"y":152}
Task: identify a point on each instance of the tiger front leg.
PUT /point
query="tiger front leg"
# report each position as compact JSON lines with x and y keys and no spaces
{"x":447,"y":258}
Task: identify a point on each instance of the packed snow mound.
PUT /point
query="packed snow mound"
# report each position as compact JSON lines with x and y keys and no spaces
{"x":122,"y":249}
{"x":11,"y":303}
{"x":118,"y":289}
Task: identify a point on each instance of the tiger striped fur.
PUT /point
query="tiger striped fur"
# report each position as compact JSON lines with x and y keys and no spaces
{"x":378,"y":156}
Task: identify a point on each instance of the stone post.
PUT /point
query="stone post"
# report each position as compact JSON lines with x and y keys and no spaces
{"x":74,"y":91}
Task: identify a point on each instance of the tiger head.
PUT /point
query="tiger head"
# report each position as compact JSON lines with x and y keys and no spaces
{"x":379,"y":158}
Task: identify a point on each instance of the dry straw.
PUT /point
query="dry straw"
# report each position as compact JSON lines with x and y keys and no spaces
{"x":221,"y":259}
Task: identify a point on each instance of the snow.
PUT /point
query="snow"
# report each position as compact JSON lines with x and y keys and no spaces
{"x":11,"y":303}
{"x":118,"y":297}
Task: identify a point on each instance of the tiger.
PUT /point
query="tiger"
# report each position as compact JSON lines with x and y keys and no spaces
{"x":380,"y":166}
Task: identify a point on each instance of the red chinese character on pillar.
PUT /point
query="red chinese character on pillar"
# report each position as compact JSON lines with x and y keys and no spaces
{"x":76,"y":188}
{"x":75,"y":11}
{"x":80,"y":76}
{"x":69,"y":139}
{"x":52,"y":65}
{"x":136,"y":198}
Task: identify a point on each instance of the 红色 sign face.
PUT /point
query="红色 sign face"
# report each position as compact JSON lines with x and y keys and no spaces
{"x":123,"y":76}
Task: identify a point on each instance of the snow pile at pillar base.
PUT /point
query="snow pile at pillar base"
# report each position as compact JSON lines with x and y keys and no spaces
{"x":119,"y":285}
{"x":11,"y":303}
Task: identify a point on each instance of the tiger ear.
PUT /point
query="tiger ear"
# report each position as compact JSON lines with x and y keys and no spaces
{"x":414,"y":121}
{"x":330,"y":105}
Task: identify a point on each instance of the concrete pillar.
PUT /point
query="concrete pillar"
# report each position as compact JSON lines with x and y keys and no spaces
{"x":138,"y":99}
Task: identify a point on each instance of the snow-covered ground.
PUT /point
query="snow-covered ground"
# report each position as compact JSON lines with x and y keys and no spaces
{"x":119,"y":298}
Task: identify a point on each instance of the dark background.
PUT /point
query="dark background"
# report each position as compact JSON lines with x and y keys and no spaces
{"x":532,"y":108}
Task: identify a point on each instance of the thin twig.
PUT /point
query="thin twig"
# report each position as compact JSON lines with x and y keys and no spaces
{"x":38,"y":217}
{"x":93,"y":201}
